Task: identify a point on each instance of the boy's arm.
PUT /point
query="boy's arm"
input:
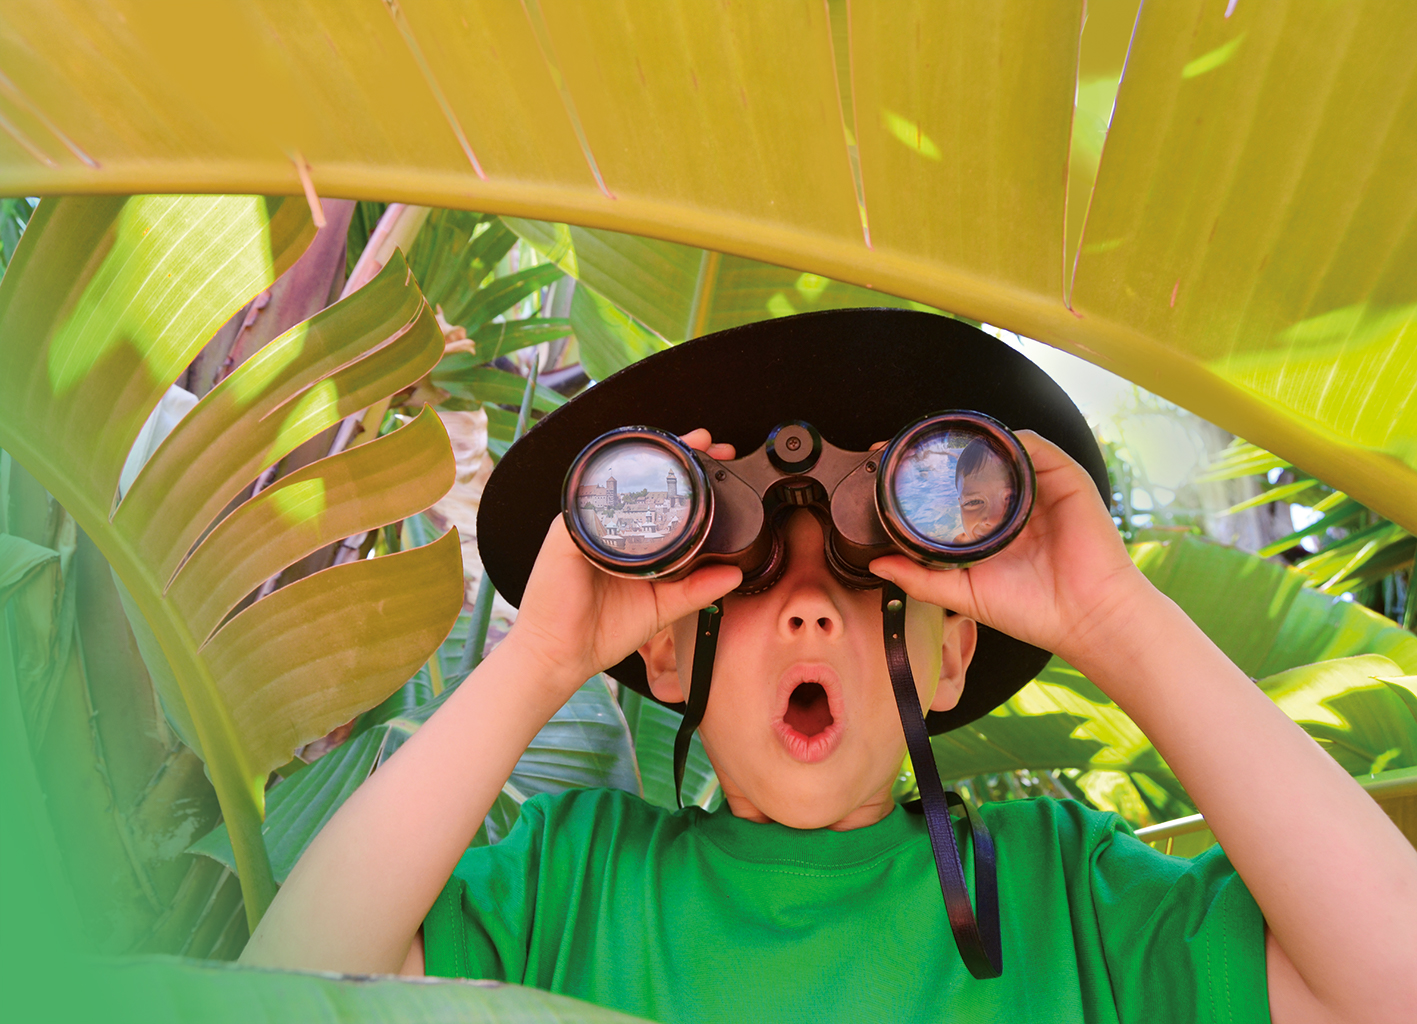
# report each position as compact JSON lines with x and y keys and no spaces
{"x":357,"y":898}
{"x":358,"y":895}
{"x":1335,"y":879}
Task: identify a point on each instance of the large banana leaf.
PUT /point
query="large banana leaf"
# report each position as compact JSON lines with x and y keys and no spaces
{"x":1249,"y":204}
{"x":104,"y":303}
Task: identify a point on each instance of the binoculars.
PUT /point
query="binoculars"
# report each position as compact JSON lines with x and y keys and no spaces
{"x":949,"y":491}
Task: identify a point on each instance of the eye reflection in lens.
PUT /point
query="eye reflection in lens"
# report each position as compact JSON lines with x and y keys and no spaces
{"x":634,"y":500}
{"x":954,"y":487}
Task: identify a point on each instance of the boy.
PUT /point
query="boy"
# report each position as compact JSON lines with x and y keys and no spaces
{"x":810,"y":895}
{"x":986,"y":490}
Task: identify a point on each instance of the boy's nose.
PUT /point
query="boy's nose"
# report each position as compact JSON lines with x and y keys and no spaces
{"x":808,"y":609}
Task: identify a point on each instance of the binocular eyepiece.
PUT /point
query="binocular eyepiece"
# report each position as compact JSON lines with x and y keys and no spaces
{"x":949,"y":490}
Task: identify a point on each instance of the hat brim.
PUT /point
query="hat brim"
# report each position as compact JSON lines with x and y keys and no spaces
{"x":857,"y":375}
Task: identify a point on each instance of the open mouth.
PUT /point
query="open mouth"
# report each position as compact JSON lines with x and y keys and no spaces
{"x":808,"y":710}
{"x":810,"y":722}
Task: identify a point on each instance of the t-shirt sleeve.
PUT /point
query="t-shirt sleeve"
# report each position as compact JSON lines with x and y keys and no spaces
{"x":480,"y":923}
{"x":1182,"y":939}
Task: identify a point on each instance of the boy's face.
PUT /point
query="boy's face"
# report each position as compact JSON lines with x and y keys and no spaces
{"x":984,"y":499}
{"x":801,"y":724}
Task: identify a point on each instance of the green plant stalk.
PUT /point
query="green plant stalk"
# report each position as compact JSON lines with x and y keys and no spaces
{"x":482,"y":607}
{"x":435,"y":674}
{"x":477,"y":628}
{"x":240,"y":795}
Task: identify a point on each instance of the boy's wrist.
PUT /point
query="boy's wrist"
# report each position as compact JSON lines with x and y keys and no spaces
{"x":1120,"y":633}
{"x":550,"y":678}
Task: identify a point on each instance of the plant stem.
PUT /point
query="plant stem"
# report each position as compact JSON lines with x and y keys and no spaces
{"x":435,"y":674}
{"x":477,"y":628}
{"x":482,"y":607}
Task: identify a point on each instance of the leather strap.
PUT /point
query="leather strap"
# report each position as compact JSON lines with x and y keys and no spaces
{"x":705,"y":647}
{"x":977,"y":938}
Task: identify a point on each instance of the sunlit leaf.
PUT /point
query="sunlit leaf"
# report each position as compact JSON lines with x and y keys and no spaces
{"x":503,"y":337}
{"x":1283,"y":492}
{"x":610,"y":340}
{"x":465,"y":378}
{"x":1350,"y":706}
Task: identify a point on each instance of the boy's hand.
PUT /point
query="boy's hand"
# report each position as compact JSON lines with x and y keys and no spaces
{"x":1066,"y":578}
{"x":577,"y":620}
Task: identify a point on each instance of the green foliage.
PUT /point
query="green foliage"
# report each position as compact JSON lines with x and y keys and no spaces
{"x":466,"y":264}
{"x":362,"y":223}
{"x":1344,"y":548}
{"x":455,"y":256}
{"x":586,"y":744}
{"x":1334,"y":666}
{"x":677,"y":291}
{"x":14,"y":216}
{"x":609,"y":338}
{"x":123,"y":794}
{"x":654,"y":728}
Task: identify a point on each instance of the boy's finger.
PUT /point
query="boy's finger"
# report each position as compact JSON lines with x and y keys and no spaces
{"x":1044,"y":453}
{"x":701,"y":440}
{"x":675,"y":600}
{"x":946,"y":588}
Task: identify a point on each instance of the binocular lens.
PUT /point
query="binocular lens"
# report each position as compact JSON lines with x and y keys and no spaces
{"x":956,"y":488}
{"x":949,"y":490}
{"x":636,"y":498}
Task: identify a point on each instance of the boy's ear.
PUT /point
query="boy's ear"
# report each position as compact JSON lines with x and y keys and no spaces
{"x":956,"y":652}
{"x":662,"y":667}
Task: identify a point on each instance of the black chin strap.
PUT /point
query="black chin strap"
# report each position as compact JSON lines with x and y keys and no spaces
{"x":705,"y":646}
{"x":977,"y":939}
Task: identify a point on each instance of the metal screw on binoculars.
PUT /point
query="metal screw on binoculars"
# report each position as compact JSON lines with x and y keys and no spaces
{"x":949,"y":490}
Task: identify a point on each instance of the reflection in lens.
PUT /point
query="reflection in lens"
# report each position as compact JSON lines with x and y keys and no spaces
{"x":634,"y":499}
{"x":954,"y":486}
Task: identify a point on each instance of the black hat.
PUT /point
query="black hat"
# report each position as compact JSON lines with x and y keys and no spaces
{"x":857,"y":375}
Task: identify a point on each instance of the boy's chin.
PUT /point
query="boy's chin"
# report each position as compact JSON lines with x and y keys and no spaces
{"x":811,"y":810}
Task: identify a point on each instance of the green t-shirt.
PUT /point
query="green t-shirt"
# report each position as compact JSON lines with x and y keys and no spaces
{"x":690,"y":916}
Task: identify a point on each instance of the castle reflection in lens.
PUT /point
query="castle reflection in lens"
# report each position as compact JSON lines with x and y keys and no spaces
{"x":955,"y":486}
{"x":634,"y":499}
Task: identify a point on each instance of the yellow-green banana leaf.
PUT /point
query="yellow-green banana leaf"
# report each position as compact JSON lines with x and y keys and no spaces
{"x":1248,"y":249}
